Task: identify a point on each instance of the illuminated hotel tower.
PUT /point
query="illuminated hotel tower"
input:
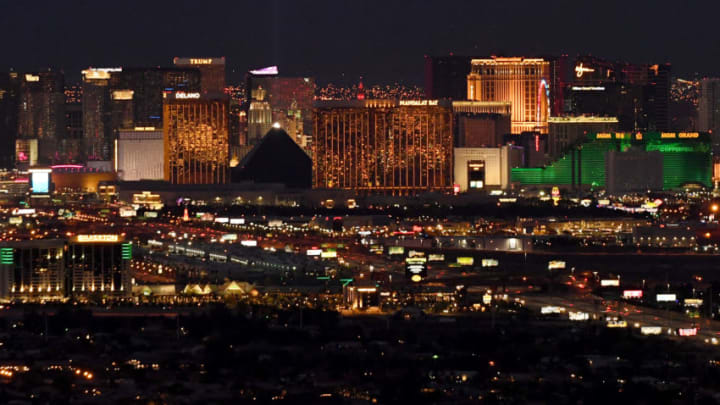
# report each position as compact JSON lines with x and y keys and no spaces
{"x":383,"y":146}
{"x":522,"y":81}
{"x":97,"y":114}
{"x":99,"y":264}
{"x":212,"y":72}
{"x":9,"y":93}
{"x":42,"y":112}
{"x":259,"y":116}
{"x":32,"y":269}
{"x":148,"y":86}
{"x":196,"y":139}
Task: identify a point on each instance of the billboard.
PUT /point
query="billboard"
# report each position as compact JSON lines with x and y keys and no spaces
{"x":693,"y":302}
{"x":578,"y":316}
{"x":651,"y":330}
{"x":687,"y":331}
{"x":377,"y":249}
{"x":465,"y":261}
{"x":248,"y":243}
{"x":396,"y":250}
{"x":629,"y":294}
{"x":556,"y":265}
{"x":434,"y":257}
{"x":40,"y":180}
{"x":613,"y":282}
{"x":666,"y":298}
{"x":490,"y":262}
{"x":551,"y":309}
{"x":127,"y":212}
{"x":328,"y":253}
{"x":416,"y":268}
{"x":23,"y":211}
{"x":313,"y":252}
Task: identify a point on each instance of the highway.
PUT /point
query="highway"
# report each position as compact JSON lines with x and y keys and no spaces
{"x":635,"y":316}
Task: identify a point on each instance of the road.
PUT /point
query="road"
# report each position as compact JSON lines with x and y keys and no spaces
{"x":635,"y":316}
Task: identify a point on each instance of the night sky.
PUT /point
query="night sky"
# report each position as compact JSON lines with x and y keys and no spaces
{"x":338,"y":41}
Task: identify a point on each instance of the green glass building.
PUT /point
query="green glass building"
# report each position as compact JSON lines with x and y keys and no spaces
{"x":687,"y":158}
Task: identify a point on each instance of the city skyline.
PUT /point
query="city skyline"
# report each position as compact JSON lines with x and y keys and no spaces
{"x":379,"y":41}
{"x":359,"y":202}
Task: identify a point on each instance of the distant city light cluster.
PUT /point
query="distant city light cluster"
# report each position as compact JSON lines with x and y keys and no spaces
{"x":73,"y":94}
{"x":683,"y":90}
{"x":527,"y":228}
{"x":394,"y":91}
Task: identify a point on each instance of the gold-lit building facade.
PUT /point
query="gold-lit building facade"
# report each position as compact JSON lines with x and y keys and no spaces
{"x":41,"y":113}
{"x":196,"y":139}
{"x":96,"y":114}
{"x":522,"y":81}
{"x":383,"y":146}
{"x":80,"y":180}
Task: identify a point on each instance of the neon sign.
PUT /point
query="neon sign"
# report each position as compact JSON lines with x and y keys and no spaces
{"x":98,"y":238}
{"x":203,"y":61}
{"x":580,"y":70}
{"x":418,"y":102}
{"x":182,"y":95}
